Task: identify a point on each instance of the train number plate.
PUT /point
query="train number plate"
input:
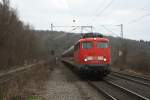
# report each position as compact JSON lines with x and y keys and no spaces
{"x":100,"y":58}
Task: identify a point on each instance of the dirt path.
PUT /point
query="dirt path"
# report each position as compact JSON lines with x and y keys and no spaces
{"x":64,"y":85}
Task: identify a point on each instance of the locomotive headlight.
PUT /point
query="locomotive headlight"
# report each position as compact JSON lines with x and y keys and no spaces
{"x":88,"y":58}
{"x":105,"y":59}
{"x":85,"y":60}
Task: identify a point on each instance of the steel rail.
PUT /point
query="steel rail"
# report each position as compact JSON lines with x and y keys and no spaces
{"x":127,"y":90}
{"x":12,"y":71}
{"x":107,"y":95}
{"x":134,"y":76}
{"x":131,"y":79}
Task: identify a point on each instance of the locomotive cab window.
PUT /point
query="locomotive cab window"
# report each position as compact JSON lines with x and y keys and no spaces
{"x":102,"y":44}
{"x":87,"y":45}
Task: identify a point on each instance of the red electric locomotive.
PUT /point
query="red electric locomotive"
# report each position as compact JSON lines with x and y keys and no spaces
{"x":92,"y":54}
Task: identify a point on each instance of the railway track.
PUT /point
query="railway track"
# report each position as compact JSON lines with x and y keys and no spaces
{"x":107,"y":95}
{"x":137,"y":79}
{"x":114,"y":91}
{"x":6,"y":76}
{"x":135,"y":85}
{"x":135,"y":76}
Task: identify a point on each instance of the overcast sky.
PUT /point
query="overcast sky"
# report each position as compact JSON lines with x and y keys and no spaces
{"x":133,"y":14}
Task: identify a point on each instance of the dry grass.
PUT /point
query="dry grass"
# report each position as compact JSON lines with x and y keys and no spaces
{"x":27,"y":85}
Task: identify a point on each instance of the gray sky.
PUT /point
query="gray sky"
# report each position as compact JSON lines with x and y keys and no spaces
{"x":134,"y":14}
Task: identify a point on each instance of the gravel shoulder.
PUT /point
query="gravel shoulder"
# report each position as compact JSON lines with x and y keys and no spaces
{"x":65,"y":85}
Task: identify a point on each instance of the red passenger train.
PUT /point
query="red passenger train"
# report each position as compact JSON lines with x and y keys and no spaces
{"x":92,"y":54}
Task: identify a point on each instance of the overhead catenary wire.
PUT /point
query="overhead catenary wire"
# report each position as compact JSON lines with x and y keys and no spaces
{"x":98,"y":14}
{"x":63,"y":35}
{"x":139,"y":19}
{"x":109,"y":30}
{"x":97,"y":10}
{"x":107,"y":6}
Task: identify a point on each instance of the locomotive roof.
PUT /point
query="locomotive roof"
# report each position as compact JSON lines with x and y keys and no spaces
{"x":93,"y":39}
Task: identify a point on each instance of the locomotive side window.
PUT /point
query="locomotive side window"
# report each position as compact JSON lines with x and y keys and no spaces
{"x":102,"y":45}
{"x":87,"y":45}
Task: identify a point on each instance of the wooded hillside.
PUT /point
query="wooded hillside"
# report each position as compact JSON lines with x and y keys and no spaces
{"x":18,"y":43}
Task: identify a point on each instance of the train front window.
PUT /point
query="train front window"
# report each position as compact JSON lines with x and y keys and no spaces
{"x":87,"y":45}
{"x":102,"y":44}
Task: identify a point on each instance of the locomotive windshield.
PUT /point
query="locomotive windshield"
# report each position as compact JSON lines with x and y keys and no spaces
{"x":87,"y":45}
{"x":102,"y":45}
